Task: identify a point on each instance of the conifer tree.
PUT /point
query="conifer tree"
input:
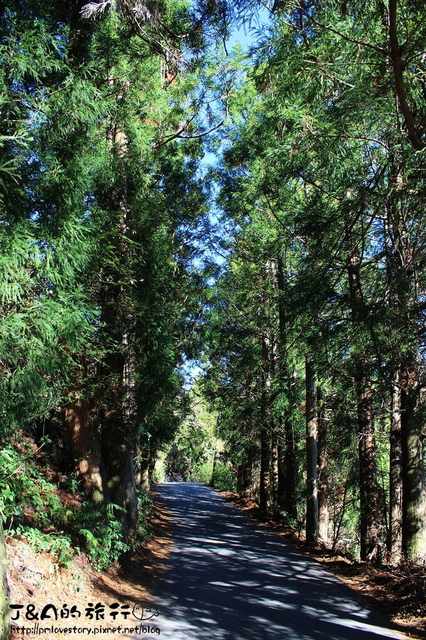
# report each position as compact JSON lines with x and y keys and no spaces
{"x":336,"y":170}
{"x":99,"y":190}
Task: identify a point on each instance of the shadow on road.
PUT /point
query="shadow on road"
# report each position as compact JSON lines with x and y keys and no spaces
{"x":228,"y":579}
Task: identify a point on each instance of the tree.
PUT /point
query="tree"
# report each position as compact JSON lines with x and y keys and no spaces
{"x":311,"y":454}
{"x":329,"y":98}
{"x":99,"y":191}
{"x":332,"y":172}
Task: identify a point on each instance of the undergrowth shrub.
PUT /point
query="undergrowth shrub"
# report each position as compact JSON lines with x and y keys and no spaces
{"x":102,"y":532}
{"x":59,"y":545}
{"x":223,"y":479}
{"x":31,"y":508}
{"x":202,"y":473}
{"x":26,"y":495}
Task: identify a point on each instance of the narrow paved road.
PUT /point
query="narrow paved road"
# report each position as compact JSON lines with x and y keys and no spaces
{"x":229,"y":579}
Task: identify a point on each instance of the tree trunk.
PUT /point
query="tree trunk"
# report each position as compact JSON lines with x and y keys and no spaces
{"x":265,"y":490}
{"x":287,"y":471}
{"x":4,"y":589}
{"x":266,"y":502}
{"x":85,"y":446}
{"x":118,"y":414}
{"x":287,"y":461}
{"x":413,"y":472}
{"x":395,"y":473}
{"x":246,"y":479}
{"x":274,"y":474}
{"x":323,"y":514}
{"x":370,"y":516}
{"x":281,"y":475}
{"x":370,"y":504}
{"x":121,"y":481}
{"x":117,"y":449}
{"x":142,"y":472}
{"x":311,"y":455}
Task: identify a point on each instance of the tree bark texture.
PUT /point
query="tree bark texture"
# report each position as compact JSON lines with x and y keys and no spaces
{"x":323,"y":513}
{"x":4,"y":589}
{"x":395,"y":477}
{"x":119,"y":406}
{"x":287,"y":472}
{"x":370,"y":510}
{"x":369,"y":490}
{"x":85,"y":445}
{"x":413,"y":472}
{"x":265,"y":490}
{"x":121,"y":481}
{"x":311,"y":454}
{"x":117,"y":432}
{"x":287,"y":461}
{"x":143,"y":461}
{"x":246,"y":472}
{"x":274,"y":472}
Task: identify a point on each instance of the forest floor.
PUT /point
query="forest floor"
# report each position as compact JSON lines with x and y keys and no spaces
{"x":399,"y":593}
{"x":35,"y":579}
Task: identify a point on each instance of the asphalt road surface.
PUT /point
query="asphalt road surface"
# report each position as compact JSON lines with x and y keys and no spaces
{"x":229,"y":579}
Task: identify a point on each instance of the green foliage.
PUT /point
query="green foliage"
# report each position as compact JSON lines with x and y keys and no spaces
{"x":223,"y":478}
{"x":325,"y":237}
{"x":103,"y":533}
{"x":191,"y":454}
{"x":97,"y":195}
{"x":202,"y":473}
{"x":320,"y":220}
{"x":31,"y":508}
{"x":60,"y":546}
{"x":145,"y":505}
{"x":30,"y":505}
{"x":25,"y":492}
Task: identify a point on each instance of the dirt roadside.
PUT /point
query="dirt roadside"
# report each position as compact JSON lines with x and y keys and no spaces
{"x":83,"y":598}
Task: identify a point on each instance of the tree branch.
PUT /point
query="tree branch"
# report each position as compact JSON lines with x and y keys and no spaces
{"x":339,"y":33}
{"x":178,"y":134}
{"x":414,"y":134}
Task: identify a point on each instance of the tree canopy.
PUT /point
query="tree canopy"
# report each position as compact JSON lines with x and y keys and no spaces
{"x":255,"y":211}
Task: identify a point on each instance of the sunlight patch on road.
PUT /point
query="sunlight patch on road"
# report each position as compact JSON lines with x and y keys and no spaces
{"x":208,"y":620}
{"x":247,"y":583}
{"x":367,"y":628}
{"x":275,"y":604}
{"x":207,"y":540}
{"x":286,"y":590}
{"x":223,"y":552}
{"x":273,"y":574}
{"x":197,"y":550}
{"x":350,"y":623}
